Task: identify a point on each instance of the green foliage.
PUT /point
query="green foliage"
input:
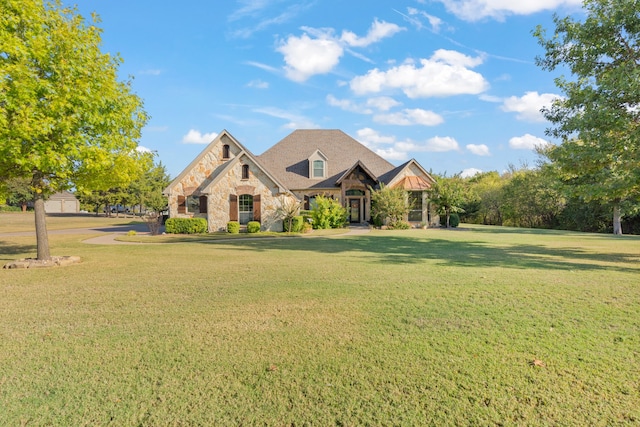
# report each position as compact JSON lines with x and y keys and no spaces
{"x":388,"y":205}
{"x":449,"y":194}
{"x":233,"y":227}
{"x":296,"y":224}
{"x":66,"y":120}
{"x":398,"y":225}
{"x":288,"y":208}
{"x":483,"y":205}
{"x":454,"y":220}
{"x":328,"y":213}
{"x":597,"y":118}
{"x":19,"y":192}
{"x":7,"y":208}
{"x":147,"y":191}
{"x":186,"y":225}
{"x":253,"y":227}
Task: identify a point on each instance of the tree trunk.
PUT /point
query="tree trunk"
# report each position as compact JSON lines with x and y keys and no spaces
{"x":42,"y":238}
{"x":617,"y":226}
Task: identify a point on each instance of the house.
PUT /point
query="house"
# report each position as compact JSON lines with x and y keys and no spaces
{"x":62,"y":202}
{"x":226,"y":182}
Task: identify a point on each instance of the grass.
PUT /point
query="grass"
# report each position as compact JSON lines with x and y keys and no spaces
{"x":12,"y":222}
{"x":409,"y":327}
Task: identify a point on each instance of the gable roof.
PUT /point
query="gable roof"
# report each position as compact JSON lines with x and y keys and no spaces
{"x":393,"y":177}
{"x":288,"y":159}
{"x":352,"y":168}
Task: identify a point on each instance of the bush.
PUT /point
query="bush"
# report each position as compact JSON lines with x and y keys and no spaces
{"x":233,"y":227}
{"x":185,"y":226}
{"x":253,"y":227}
{"x":398,"y":225}
{"x":7,"y":208}
{"x":296,"y":224}
{"x":328,"y":213}
{"x":454,"y":220}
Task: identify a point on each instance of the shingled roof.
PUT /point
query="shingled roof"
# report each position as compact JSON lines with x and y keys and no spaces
{"x":288,"y":159}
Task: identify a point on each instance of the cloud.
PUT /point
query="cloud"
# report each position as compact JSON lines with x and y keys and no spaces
{"x":475,"y":10}
{"x":196,"y":137}
{"x":294,"y":121}
{"x":390,"y":148}
{"x":446,"y":73}
{"x":305,"y":57}
{"x":378,"y":31}
{"x":142,"y":149}
{"x":318,"y":51}
{"x":527,"y":142}
{"x":478,"y":150}
{"x":408,"y":117}
{"x":529,"y":105}
{"x":440,"y":144}
{"x":383,"y":103}
{"x":380,"y":103}
{"x":258,"y":84}
{"x":469,"y":172}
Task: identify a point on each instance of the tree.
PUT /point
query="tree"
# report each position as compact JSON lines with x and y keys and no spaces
{"x":147,"y":191}
{"x":448,"y":194}
{"x":389,"y":205}
{"x":598,"y":119}
{"x":484,"y":204}
{"x":328,"y":213}
{"x":65,"y":119}
{"x":19,"y":192}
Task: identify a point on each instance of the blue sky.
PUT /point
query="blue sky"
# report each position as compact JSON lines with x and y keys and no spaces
{"x":451,"y":83}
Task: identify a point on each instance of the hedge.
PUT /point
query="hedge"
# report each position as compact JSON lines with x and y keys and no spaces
{"x":185,"y":226}
{"x":233,"y":227}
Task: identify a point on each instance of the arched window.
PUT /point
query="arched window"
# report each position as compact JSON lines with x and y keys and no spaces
{"x":245,"y":208}
{"x":225,"y":151}
{"x":245,"y":171}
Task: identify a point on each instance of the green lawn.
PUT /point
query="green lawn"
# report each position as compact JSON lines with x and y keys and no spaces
{"x":417,"y":327}
{"x":11,"y":222}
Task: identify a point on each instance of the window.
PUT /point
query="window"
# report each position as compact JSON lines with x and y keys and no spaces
{"x":415,"y":206}
{"x":245,"y":171}
{"x":318,"y":169}
{"x":193,"y":204}
{"x":355,"y":193}
{"x":225,"y":151}
{"x":245,"y":208}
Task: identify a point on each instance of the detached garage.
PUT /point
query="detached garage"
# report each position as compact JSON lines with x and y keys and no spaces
{"x":64,"y":202}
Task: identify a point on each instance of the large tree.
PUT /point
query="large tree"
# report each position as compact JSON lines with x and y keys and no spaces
{"x":598,"y":117}
{"x":449,"y":194}
{"x":66,"y":120}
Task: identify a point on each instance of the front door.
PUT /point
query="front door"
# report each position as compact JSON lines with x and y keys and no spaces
{"x":354,"y":210}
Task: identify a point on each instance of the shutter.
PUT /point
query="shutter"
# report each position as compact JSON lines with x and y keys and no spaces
{"x":182,"y":205}
{"x":256,"y":207}
{"x":233,"y":207}
{"x":306,"y":203}
{"x":203,"y":204}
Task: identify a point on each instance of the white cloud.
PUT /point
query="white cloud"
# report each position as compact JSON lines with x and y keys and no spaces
{"x":445,"y":73}
{"x":479,"y":150}
{"x":305,"y":57}
{"x":391,"y":149}
{"x":528,"y":106}
{"x":258,"y":84}
{"x":295,"y":121}
{"x":378,"y":31}
{"x":318,"y":51}
{"x":441,"y":144}
{"x":527,"y":142}
{"x":474,"y":10}
{"x":196,"y":137}
{"x":142,"y":149}
{"x":383,"y":103}
{"x":469,"y":172}
{"x":408,"y":117}
{"x":434,"y":21}
{"x":151,"y":72}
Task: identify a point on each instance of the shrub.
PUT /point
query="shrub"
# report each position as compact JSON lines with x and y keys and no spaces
{"x":7,"y":208}
{"x":185,"y":225}
{"x":296,"y":224}
{"x":233,"y":227}
{"x":253,"y":227}
{"x":454,"y":220}
{"x":328,"y":213}
{"x":131,"y":233}
{"x":399,"y":225}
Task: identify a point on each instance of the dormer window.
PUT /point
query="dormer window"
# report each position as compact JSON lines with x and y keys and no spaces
{"x":245,"y":171}
{"x":318,"y":168}
{"x":225,"y":151}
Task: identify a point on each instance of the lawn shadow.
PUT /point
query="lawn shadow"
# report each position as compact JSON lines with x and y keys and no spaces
{"x":395,"y":249}
{"x":11,"y":249}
